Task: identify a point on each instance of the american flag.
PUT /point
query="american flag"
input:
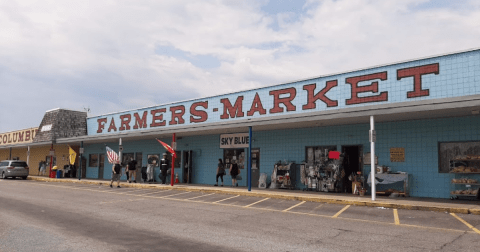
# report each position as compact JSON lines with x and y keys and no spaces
{"x":112,"y":156}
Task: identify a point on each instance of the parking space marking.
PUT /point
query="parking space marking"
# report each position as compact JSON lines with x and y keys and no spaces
{"x":225,"y":199}
{"x":341,"y":211}
{"x":200,"y":196}
{"x":115,"y":201}
{"x":150,"y":193}
{"x":293,"y":206}
{"x":256,"y":202}
{"x":395,"y":217}
{"x":166,"y":196}
{"x":466,"y":223}
{"x":473,"y":229}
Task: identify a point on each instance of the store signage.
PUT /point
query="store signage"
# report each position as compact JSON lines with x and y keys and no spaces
{"x":334,"y":92}
{"x":397,"y":154}
{"x":46,"y":128}
{"x":240,"y":140}
{"x":18,"y":137}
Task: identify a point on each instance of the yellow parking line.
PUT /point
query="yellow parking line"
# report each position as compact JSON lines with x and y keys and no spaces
{"x":256,"y":202}
{"x":226,"y":199}
{"x":395,"y":216}
{"x":466,"y":223}
{"x":200,"y":196}
{"x":341,"y":211}
{"x":290,"y":208}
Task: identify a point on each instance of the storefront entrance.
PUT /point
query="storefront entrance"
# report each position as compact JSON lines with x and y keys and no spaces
{"x":255,"y":167}
{"x":101,"y":166}
{"x":187,"y":167}
{"x":352,"y":163}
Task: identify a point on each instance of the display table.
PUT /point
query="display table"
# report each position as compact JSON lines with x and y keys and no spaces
{"x":390,"y":178}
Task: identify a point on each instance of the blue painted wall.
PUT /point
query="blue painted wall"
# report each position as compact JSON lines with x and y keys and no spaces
{"x":420,"y":139}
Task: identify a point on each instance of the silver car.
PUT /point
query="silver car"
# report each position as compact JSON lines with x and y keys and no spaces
{"x":13,"y":168}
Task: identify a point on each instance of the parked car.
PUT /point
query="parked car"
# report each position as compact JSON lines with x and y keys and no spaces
{"x":13,"y":168}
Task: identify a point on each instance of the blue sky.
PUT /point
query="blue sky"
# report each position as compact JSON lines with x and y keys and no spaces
{"x":111,"y":56}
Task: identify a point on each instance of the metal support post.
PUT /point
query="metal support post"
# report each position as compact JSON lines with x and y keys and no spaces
{"x":174,"y":147}
{"x":80,"y":161}
{"x":372,"y":156}
{"x":249,"y":158}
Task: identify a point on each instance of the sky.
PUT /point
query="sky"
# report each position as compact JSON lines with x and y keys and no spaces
{"x":114,"y":55}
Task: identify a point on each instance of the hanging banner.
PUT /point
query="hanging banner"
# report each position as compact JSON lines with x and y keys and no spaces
{"x":231,"y":141}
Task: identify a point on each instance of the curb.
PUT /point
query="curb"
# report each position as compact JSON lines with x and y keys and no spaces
{"x":360,"y":202}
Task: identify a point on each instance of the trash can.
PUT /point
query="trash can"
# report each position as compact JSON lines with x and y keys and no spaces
{"x":59,"y":173}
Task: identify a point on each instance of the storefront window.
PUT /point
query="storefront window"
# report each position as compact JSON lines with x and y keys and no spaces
{"x":234,"y":155}
{"x":153,"y":158}
{"x":454,"y":151}
{"x":93,"y":160}
{"x":314,"y":153}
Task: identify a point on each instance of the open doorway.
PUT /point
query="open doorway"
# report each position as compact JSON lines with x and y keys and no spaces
{"x":352,"y":163}
{"x":187,"y":167}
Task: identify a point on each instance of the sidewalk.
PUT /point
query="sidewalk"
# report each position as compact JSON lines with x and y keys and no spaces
{"x":425,"y":204}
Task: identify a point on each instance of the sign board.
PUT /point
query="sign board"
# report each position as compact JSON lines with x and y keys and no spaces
{"x":18,"y":137}
{"x":367,"y":159}
{"x":52,"y":153}
{"x":231,"y":141}
{"x":81,"y":150}
{"x":46,"y":128}
{"x":372,"y":136}
{"x":397,"y":154}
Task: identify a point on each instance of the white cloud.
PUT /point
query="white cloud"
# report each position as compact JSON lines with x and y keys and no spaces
{"x":102,"y":54}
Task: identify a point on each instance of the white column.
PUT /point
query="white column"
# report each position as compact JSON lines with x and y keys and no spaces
{"x":28,"y":155}
{"x":372,"y":156}
{"x":120,"y":150}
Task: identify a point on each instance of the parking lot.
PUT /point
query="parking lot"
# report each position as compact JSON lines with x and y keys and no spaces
{"x":379,"y":215}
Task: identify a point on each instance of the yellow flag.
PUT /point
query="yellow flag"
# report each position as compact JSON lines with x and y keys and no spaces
{"x":72,"y":155}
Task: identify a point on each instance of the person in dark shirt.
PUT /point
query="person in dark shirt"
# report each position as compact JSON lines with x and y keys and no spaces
{"x":234,"y":171}
{"x":116,"y":173}
{"x":164,"y":166}
{"x":132,"y":170}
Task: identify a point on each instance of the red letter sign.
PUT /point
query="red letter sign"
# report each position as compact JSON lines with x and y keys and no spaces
{"x":416,"y":73}
{"x":319,"y":96}
{"x":101,"y":124}
{"x":373,"y":87}
{"x":233,"y":111}
{"x":177,"y":113}
{"x":256,"y":106}
{"x":201,"y":115}
{"x":140,"y":122}
{"x":125,"y":122}
{"x":157,"y":120}
{"x":287,"y":101}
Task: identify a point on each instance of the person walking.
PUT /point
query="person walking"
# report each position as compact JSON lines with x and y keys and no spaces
{"x":132,"y":170}
{"x":43,"y":169}
{"x":164,"y":166}
{"x":234,"y":172}
{"x":220,"y":172}
{"x":116,"y":173}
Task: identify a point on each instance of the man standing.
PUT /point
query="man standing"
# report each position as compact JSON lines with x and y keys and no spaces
{"x":164,"y":166}
{"x":116,"y":173}
{"x":132,"y":170}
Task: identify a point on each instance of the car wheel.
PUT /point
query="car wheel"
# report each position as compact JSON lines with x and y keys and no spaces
{"x":24,"y":177}
{"x":3,"y":175}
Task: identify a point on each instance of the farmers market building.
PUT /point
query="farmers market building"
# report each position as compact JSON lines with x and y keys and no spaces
{"x":425,"y":113}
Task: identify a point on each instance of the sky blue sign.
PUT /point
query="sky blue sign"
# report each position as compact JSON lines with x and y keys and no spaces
{"x":447,"y":76}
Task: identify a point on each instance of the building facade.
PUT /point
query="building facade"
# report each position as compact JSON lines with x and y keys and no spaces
{"x":425,"y":110}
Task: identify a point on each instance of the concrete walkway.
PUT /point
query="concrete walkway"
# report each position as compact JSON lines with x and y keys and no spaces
{"x":425,"y":204}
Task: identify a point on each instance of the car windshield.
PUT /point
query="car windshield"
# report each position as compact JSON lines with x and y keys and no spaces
{"x":19,"y":164}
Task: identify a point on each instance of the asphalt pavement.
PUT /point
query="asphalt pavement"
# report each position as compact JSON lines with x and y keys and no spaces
{"x":46,"y":216}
